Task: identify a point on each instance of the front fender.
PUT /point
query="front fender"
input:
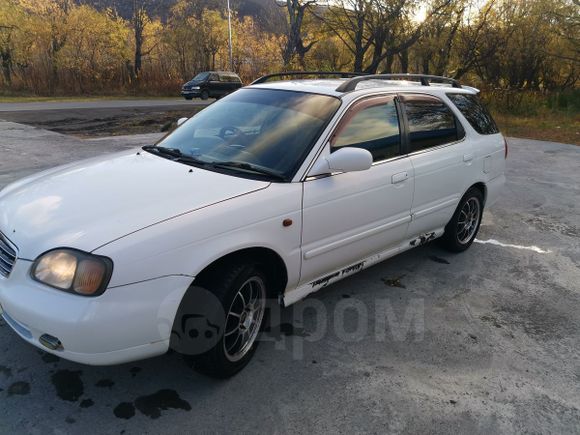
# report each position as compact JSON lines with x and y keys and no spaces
{"x":186,"y":244}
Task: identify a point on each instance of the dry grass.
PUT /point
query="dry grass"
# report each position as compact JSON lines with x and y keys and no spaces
{"x":550,"y":126}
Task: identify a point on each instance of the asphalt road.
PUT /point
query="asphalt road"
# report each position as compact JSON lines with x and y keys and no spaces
{"x":486,"y":341}
{"x":98,"y":104}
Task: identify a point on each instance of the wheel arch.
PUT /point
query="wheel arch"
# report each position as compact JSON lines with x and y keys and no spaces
{"x":479,"y":186}
{"x":275,"y":266}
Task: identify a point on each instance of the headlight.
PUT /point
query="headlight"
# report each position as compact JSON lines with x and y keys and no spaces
{"x":195,"y":87}
{"x":73,"y":271}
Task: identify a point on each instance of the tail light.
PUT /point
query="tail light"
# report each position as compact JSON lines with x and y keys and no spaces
{"x":506,"y":147}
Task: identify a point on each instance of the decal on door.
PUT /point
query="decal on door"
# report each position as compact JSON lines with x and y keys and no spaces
{"x":323,"y":282}
{"x":423,"y":238}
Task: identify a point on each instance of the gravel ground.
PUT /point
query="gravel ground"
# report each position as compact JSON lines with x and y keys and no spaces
{"x":486,"y":341}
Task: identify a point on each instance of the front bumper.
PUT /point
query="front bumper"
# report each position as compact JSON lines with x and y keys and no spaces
{"x":124,"y":324}
{"x":191,"y":93}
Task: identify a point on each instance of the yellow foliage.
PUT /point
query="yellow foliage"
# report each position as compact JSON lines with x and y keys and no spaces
{"x":49,"y":46}
{"x":96,"y":43}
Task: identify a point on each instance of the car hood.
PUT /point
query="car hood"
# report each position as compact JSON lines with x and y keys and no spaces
{"x":193,"y":83}
{"x":90,"y":203}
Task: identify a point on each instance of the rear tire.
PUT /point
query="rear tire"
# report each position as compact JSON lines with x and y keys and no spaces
{"x":463,"y":227}
{"x":242,"y":292}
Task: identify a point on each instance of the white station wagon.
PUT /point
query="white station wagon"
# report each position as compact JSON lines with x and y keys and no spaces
{"x":274,"y":192}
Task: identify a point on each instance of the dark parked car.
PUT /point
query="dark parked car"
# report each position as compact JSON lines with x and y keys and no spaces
{"x":214,"y":84}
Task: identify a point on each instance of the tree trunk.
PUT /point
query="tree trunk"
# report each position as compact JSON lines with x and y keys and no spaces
{"x":138,"y":21}
{"x":138,"y":63}
{"x":425,"y":65}
{"x":6,"y":55}
{"x":359,"y":43}
{"x":294,"y":43}
{"x":389,"y":64}
{"x":404,"y":59}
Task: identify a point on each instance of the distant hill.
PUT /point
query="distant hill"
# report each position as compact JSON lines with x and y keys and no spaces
{"x":265,"y":12}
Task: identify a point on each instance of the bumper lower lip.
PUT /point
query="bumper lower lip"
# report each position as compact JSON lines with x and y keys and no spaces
{"x":18,"y":327}
{"x":191,"y":93}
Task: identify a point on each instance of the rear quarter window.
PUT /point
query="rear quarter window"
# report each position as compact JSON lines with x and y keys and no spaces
{"x":475,"y":113}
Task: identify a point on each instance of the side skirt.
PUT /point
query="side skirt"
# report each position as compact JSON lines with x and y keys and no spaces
{"x":292,"y":296}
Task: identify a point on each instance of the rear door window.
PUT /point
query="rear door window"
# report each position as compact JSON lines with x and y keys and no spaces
{"x":475,"y":113}
{"x":431,"y":122}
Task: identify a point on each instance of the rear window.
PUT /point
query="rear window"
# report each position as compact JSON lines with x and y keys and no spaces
{"x":475,"y":113}
{"x":229,"y":78}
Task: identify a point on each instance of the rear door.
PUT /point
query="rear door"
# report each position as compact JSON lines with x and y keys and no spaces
{"x":350,"y":216}
{"x":233,"y":83}
{"x":225,"y":84}
{"x":215,"y":86}
{"x":441,"y":160}
{"x":488,"y":143}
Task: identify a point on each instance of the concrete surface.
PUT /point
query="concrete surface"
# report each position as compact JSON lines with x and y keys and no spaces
{"x":482,"y":342}
{"x":25,"y":149}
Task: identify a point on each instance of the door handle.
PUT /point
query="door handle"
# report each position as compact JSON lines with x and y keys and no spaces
{"x":467,"y":157}
{"x":400,"y":177}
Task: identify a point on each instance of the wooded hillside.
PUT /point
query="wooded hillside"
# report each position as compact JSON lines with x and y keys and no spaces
{"x":50,"y":47}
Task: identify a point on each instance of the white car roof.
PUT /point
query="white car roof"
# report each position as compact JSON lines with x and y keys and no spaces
{"x":328,"y":87}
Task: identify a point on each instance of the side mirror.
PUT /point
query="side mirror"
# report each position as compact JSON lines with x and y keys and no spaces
{"x":181,"y":121}
{"x":343,"y":160}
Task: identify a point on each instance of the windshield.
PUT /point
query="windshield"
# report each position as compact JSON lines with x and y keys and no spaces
{"x":201,"y":76}
{"x":265,"y":129}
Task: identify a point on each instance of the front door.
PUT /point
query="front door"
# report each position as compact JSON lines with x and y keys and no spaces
{"x":350,"y":216}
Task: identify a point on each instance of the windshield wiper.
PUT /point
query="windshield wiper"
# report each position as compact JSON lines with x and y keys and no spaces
{"x":177,"y":155}
{"x":250,"y":168}
{"x":173,"y":152}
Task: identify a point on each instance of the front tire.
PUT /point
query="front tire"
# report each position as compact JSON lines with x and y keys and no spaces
{"x":242,"y":293}
{"x":204,"y":95}
{"x":463,"y":227}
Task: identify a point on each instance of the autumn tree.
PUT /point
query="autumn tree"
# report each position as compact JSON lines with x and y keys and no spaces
{"x":295,"y":36}
{"x":329,"y":54}
{"x":139,"y":20}
{"x":11,"y":20}
{"x":68,"y":47}
{"x":378,"y":31}
{"x":96,"y":47}
{"x":182,"y":37}
{"x":347,"y":20}
{"x":50,"y":19}
{"x":256,"y":52}
{"x":434,"y":49}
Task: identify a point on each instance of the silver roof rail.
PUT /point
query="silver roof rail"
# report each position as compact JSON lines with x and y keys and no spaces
{"x":424,"y":79}
{"x":340,"y":74}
